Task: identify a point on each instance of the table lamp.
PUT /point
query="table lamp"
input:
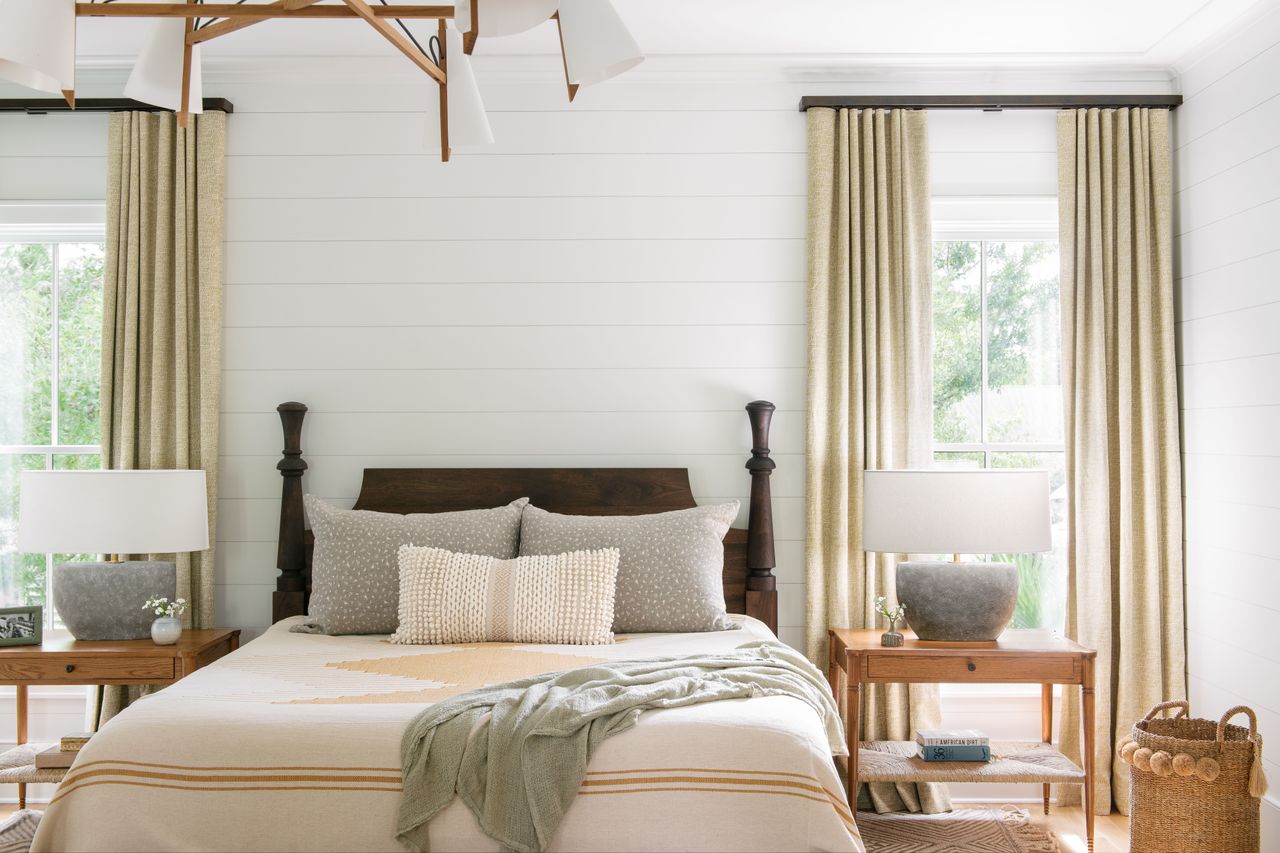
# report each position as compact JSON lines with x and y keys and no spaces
{"x":954,"y":512}
{"x":115,"y":513}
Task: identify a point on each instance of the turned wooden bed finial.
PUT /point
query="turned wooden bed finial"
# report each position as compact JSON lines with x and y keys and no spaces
{"x":762,"y":586}
{"x":290,"y":597}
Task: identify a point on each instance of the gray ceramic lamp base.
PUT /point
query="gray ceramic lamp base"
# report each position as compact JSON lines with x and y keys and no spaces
{"x":958,"y":602}
{"x":104,"y":601}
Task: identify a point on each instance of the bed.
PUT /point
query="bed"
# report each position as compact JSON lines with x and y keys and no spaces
{"x":292,"y":742}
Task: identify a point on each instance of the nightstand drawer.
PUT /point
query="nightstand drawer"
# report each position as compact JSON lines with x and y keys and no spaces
{"x":923,"y":667}
{"x":87,"y":670}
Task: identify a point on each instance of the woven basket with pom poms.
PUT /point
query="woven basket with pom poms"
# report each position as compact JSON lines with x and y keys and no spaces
{"x":1195,"y":784}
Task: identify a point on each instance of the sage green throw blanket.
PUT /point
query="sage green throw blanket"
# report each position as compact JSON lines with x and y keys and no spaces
{"x":516,"y":753}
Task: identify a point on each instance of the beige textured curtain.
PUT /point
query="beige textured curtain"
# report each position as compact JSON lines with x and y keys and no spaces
{"x":1124,"y":553}
{"x":870,"y":385}
{"x":162,"y":315}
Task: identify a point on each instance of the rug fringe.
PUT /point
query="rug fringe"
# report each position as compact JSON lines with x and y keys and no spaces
{"x":1032,"y":838}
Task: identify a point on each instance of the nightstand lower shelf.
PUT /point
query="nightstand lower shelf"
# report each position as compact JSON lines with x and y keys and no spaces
{"x":1012,"y":761}
{"x":17,"y":766}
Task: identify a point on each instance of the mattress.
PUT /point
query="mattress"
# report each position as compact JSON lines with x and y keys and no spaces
{"x":292,"y":743}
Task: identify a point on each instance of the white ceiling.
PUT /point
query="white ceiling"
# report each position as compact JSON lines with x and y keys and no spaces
{"x":1146,"y":33}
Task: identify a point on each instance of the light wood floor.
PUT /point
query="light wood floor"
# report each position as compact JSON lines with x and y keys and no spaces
{"x":1111,"y":833}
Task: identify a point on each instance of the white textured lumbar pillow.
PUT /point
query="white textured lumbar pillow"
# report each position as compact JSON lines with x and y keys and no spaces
{"x":447,"y":597}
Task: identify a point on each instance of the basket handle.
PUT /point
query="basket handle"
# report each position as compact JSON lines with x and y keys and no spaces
{"x":1184,"y":708}
{"x":1231,"y":712}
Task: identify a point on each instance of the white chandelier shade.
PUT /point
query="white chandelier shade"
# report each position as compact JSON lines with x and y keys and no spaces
{"x":38,"y":44}
{"x":468,"y":122}
{"x":156,"y":78}
{"x":504,"y":17}
{"x":597,"y":44}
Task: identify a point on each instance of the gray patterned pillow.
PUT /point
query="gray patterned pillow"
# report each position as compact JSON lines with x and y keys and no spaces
{"x":355,"y":571}
{"x":669,"y":572}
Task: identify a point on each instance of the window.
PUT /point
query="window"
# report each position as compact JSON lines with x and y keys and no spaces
{"x":997,"y":379}
{"x":50,"y":348}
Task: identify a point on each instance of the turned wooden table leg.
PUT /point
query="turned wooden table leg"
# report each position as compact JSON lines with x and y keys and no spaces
{"x":1046,"y":727}
{"x":1087,"y":703}
{"x":20,"y":693}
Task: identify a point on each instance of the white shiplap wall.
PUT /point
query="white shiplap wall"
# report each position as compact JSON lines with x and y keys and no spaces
{"x":608,"y":285}
{"x":1227,"y":141}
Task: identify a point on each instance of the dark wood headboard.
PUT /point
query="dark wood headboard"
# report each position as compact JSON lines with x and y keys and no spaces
{"x":749,"y":584}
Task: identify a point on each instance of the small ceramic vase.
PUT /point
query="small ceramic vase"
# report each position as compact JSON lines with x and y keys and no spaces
{"x":166,"y":630}
{"x":891,"y":637}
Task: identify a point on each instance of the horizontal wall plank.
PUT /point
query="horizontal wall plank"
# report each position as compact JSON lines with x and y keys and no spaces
{"x":340,"y":262}
{"x":631,"y":218}
{"x":1247,"y":431}
{"x":53,"y":178}
{"x":993,"y":173}
{"x":1232,"y":479}
{"x":1234,"y":574}
{"x":1246,"y":234}
{"x":1238,"y":526}
{"x":1245,"y":87}
{"x":516,"y":304}
{"x":469,"y":433}
{"x":1238,"y":382}
{"x":651,"y":131}
{"x":1244,"y":334}
{"x":62,"y":135}
{"x":1248,"y":135}
{"x":243,"y":606}
{"x":256,"y":477}
{"x":515,"y":175}
{"x":531,"y":347}
{"x":1242,"y":283}
{"x":395,"y":391}
{"x":1251,"y":184}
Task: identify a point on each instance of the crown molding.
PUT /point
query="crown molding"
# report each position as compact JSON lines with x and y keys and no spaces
{"x":1204,"y":48}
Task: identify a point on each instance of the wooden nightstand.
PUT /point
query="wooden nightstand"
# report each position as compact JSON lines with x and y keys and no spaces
{"x":1018,"y":657}
{"x":63,"y":660}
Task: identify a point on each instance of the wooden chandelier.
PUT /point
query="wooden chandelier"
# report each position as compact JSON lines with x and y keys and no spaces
{"x":230,"y":17}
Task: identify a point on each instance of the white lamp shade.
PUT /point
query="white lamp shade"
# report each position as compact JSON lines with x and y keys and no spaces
{"x":956,"y":512}
{"x":113,"y":512}
{"x":38,"y":44}
{"x":156,"y":78}
{"x":504,"y":17}
{"x":468,"y":122}
{"x":597,"y":45}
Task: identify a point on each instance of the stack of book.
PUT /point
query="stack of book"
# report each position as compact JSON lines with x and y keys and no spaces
{"x":954,"y":745}
{"x":63,"y":754}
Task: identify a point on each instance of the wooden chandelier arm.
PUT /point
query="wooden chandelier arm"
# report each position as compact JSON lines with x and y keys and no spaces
{"x":231,"y":25}
{"x":402,"y":44}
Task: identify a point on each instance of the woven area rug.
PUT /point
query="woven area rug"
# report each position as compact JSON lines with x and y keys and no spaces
{"x":980,"y":830}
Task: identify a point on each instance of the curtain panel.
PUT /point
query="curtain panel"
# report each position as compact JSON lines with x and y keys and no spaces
{"x":1124,"y":551}
{"x":870,"y":394}
{"x":162,"y":316}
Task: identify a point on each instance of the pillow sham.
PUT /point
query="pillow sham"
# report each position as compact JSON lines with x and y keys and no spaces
{"x":355,"y":574}
{"x":468,"y":598}
{"x":669,"y":568}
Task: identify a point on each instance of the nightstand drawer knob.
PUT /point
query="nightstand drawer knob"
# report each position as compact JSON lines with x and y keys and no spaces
{"x":973,"y":667}
{"x":71,"y":667}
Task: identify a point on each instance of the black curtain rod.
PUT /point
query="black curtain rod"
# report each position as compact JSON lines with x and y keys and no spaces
{"x":40,"y":106}
{"x":991,"y":103}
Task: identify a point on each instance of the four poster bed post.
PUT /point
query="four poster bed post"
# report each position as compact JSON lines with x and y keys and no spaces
{"x":749,"y":584}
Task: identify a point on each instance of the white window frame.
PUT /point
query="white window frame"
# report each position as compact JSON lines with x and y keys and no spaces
{"x":993,"y":219}
{"x":52,"y":222}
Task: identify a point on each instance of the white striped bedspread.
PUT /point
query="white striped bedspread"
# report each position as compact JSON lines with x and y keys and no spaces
{"x":293,"y":743}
